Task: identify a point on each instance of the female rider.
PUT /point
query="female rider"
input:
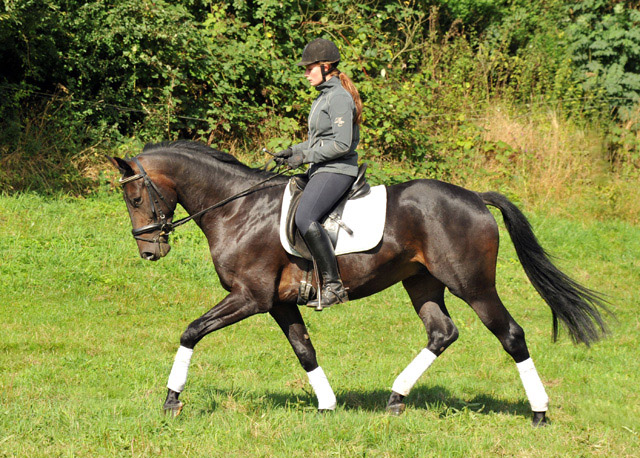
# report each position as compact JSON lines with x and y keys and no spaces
{"x":334,"y":134}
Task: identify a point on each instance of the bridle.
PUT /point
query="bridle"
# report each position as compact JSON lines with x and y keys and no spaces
{"x":161,"y":222}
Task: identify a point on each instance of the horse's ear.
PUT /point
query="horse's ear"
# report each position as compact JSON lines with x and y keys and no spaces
{"x":121,"y":165}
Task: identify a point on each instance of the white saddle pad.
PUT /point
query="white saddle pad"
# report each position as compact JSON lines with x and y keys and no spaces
{"x":365,"y":216}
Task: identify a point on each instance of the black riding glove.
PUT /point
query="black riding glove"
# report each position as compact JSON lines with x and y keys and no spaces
{"x":295,"y":160}
{"x":285,"y":153}
{"x":281,"y":157}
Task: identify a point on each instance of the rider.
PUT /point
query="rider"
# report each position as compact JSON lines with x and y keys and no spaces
{"x":334,"y":133}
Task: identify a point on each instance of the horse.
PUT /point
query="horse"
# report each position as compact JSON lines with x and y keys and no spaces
{"x":437,"y":236}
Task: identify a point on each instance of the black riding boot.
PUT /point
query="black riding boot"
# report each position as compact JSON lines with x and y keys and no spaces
{"x":332,"y":291}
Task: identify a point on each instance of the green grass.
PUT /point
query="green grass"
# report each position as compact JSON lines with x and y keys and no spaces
{"x":89,"y":331}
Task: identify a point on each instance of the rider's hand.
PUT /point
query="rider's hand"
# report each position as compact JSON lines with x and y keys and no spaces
{"x":285,"y":153}
{"x":281,"y":157}
{"x":295,"y":160}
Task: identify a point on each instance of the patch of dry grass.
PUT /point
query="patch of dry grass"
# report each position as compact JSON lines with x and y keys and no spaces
{"x":556,"y":165}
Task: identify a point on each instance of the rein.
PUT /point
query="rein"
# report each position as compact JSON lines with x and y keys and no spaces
{"x":165,"y":226}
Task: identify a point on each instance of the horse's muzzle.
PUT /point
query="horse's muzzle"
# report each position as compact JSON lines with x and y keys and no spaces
{"x":155,"y":251}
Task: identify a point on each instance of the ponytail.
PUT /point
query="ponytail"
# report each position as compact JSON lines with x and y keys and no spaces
{"x":351,"y":89}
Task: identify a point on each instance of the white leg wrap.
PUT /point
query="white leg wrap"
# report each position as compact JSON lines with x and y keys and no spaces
{"x":324,"y":393}
{"x":408,"y":377}
{"x":178,"y":376}
{"x":533,"y":386}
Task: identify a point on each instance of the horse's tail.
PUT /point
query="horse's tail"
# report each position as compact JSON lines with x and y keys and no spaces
{"x":575,"y":305}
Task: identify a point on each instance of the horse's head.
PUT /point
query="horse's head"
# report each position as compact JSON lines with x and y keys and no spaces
{"x":151,"y":200}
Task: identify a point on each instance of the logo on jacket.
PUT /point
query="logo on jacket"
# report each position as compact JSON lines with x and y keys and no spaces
{"x":339,"y":121}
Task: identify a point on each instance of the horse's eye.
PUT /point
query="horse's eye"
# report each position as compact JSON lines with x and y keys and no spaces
{"x":137,"y":201}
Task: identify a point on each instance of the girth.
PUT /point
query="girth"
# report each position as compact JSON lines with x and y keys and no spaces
{"x":333,"y":221}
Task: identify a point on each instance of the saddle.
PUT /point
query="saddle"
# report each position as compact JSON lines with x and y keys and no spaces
{"x":332,"y":223}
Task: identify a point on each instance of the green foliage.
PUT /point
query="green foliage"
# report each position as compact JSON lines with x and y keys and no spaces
{"x":604,"y":44}
{"x":223,"y":71}
{"x":49,"y":152}
{"x":623,"y":146}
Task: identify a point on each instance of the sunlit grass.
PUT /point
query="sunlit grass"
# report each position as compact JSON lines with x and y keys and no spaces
{"x":89,"y":332}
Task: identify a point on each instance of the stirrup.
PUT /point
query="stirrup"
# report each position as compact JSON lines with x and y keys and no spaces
{"x":336,"y":297}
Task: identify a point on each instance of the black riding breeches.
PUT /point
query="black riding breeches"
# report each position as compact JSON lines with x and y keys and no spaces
{"x":320,"y":195}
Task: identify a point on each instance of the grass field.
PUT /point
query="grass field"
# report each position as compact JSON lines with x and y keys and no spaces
{"x":89,"y":331}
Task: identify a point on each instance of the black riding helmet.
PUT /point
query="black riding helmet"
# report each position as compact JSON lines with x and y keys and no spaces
{"x":320,"y":50}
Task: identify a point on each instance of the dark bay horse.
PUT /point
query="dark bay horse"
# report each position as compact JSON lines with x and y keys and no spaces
{"x":436,"y":236}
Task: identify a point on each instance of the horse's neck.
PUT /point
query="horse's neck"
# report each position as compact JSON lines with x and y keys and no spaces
{"x":198,"y":195}
{"x":201,"y":185}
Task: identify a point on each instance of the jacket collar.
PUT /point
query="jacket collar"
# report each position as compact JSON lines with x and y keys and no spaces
{"x":329,"y":84}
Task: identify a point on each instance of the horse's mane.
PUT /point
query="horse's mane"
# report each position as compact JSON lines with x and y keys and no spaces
{"x":194,"y":149}
{"x":191,"y":148}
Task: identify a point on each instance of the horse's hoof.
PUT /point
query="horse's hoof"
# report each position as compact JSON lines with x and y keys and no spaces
{"x":539,"y":419}
{"x":396,"y":409}
{"x":173,"y":409}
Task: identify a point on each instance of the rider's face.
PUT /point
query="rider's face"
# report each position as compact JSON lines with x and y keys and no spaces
{"x":313,"y":74}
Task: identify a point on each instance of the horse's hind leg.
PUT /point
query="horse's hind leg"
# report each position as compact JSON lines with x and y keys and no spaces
{"x":290,"y":321}
{"x":427,"y":296}
{"x":499,"y":321}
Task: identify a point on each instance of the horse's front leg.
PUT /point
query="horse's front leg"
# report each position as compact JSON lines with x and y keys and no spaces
{"x":290,"y":321}
{"x":233,"y":308}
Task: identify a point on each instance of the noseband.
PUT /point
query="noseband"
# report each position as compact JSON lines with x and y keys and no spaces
{"x":161,"y":222}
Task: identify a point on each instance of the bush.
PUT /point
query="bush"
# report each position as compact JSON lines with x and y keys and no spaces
{"x":98,"y":73}
{"x":604,"y":44}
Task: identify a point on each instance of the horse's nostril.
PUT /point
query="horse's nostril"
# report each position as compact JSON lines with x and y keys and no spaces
{"x":148,"y":256}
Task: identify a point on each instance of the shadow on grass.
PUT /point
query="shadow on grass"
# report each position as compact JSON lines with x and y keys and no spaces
{"x":436,"y":398}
